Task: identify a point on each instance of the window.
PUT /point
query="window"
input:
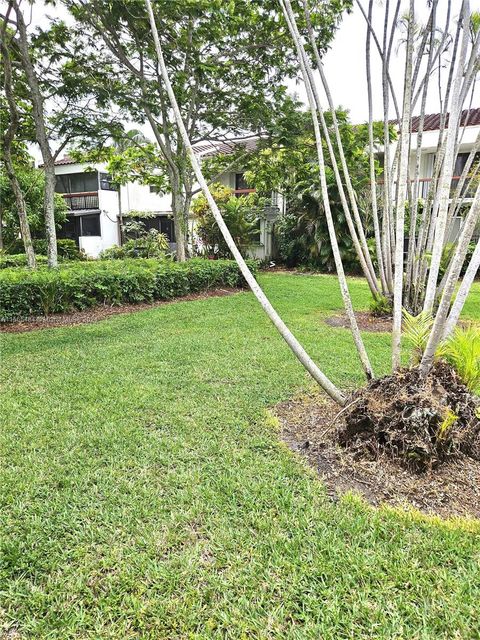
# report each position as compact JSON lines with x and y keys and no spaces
{"x":155,"y":189}
{"x":163,"y":224}
{"x":90,"y":225}
{"x":69,"y":229}
{"x":106,"y":182}
{"x":83,"y":182}
{"x":240,"y":182}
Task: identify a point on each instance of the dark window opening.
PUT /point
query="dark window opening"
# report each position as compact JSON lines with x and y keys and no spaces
{"x":106,"y":182}
{"x":163,"y":224}
{"x":84,"y":182}
{"x":69,"y":229}
{"x":76,"y":226}
{"x":240,"y":182}
{"x":256,"y":234}
{"x":90,"y":225}
{"x":155,"y":189}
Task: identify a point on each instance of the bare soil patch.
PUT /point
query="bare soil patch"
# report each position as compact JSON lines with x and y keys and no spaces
{"x":95,"y":314}
{"x":312,"y":426}
{"x":366,"y":322}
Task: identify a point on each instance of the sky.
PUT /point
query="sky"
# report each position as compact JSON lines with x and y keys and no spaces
{"x":345,"y":61}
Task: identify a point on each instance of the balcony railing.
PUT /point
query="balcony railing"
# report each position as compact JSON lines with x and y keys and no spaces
{"x":467,"y":191}
{"x":87,"y":200}
{"x":242,"y":192}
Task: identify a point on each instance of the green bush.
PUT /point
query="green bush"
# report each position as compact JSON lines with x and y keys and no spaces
{"x":66,"y":248}
{"x":18,"y":260}
{"x":151,"y":245}
{"x":79,"y":285}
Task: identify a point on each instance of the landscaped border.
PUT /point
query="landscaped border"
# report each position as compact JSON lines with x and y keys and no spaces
{"x":78,"y":286}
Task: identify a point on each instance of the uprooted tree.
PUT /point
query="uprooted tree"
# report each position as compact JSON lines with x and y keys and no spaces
{"x":412,"y":282}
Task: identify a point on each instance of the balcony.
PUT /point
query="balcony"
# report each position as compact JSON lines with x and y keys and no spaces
{"x":467,"y":192}
{"x":84,"y":201}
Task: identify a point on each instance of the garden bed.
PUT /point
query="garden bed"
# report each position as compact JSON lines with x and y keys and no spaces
{"x":311,"y":426}
{"x":366,"y":322}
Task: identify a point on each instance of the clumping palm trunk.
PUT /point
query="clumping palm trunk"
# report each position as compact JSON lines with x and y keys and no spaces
{"x":463,"y":291}
{"x":401,"y":196}
{"x":447,"y":172}
{"x":440,"y":321}
{"x":287,"y":335}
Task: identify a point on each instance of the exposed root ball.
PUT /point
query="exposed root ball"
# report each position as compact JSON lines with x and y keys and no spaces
{"x":420,"y":422}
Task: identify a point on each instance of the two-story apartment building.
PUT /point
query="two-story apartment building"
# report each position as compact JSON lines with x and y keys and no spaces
{"x":96,"y":206}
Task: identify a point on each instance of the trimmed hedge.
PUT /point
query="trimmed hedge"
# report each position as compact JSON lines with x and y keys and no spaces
{"x":8,"y":260}
{"x":77,"y":285}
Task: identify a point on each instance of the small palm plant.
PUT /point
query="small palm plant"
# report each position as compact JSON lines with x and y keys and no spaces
{"x":462,"y":351}
{"x":417,"y":331}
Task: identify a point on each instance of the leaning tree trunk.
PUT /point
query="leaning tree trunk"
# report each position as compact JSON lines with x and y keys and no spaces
{"x":286,"y":334}
{"x":439,"y":324}
{"x":8,"y":139}
{"x":463,"y":292}
{"x":447,"y":171}
{"x":314,"y":103}
{"x":38,"y":113}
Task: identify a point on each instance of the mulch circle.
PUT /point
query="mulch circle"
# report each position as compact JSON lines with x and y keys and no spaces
{"x":310,"y":426}
{"x":101,"y":312}
{"x":366,"y":322}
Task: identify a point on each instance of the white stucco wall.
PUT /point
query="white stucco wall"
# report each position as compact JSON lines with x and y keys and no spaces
{"x":138,"y":197}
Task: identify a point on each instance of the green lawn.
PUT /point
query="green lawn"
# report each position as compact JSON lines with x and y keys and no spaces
{"x":145,"y":492}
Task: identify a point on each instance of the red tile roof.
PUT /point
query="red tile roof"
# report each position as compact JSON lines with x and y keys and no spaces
{"x":469,"y":118}
{"x":205,"y":149}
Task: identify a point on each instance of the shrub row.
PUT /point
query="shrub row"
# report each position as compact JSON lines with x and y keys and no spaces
{"x":77,"y":285}
{"x":66,"y":249}
{"x":8,"y":260}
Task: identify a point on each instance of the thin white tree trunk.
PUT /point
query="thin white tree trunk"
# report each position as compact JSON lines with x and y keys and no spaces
{"x":448,"y":164}
{"x":286,"y":334}
{"x":312,"y":100}
{"x":458,"y":259}
{"x":463,"y":292}
{"x":401,"y":196}
{"x":418,"y":156}
{"x":373,"y":181}
{"x":358,"y":235}
{"x":8,"y":140}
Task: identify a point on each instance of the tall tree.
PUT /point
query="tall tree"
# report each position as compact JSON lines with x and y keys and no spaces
{"x":39,"y":117}
{"x":8,"y":142}
{"x":227,"y":62}
{"x":63,"y":108}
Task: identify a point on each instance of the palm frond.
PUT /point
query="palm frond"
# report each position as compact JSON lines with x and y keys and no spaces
{"x":416,"y":330}
{"x":462,"y":351}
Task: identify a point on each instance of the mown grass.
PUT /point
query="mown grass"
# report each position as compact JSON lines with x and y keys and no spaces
{"x":145,"y":492}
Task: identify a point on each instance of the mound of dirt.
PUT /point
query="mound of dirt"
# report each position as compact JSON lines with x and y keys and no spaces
{"x":310,"y":426}
{"x":417,"y":421}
